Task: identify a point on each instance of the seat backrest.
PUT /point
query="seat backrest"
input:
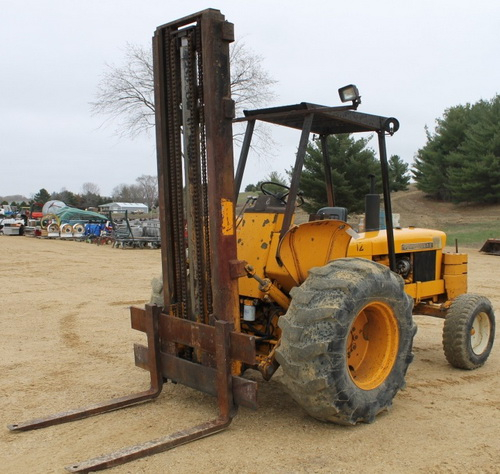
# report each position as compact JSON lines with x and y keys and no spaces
{"x":338,"y":213}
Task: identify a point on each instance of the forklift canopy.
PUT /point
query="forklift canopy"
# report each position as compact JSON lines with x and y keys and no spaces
{"x":326,"y":120}
{"x":323,"y":121}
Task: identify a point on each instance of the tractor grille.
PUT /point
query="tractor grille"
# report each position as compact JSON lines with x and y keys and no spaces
{"x":424,"y":266}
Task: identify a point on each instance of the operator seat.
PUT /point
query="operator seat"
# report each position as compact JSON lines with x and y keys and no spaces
{"x":337,"y":213}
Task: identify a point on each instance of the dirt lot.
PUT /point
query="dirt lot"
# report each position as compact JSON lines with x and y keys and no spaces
{"x":67,"y":342}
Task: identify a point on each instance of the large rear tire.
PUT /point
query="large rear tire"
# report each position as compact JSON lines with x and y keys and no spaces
{"x":347,"y":341}
{"x":469,"y":331}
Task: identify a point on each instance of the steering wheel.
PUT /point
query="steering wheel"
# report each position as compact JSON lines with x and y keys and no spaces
{"x":279,"y":196}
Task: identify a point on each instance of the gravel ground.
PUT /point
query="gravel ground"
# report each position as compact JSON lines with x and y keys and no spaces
{"x":67,"y":342}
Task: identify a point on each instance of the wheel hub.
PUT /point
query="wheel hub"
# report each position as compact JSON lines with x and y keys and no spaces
{"x":480,"y":333}
{"x":372,"y":345}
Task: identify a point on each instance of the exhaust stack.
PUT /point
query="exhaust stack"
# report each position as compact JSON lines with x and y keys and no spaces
{"x":372,"y":208}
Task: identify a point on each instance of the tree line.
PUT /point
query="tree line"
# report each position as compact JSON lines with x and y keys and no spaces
{"x":461,"y":159}
{"x":460,"y":162}
{"x":144,"y":190}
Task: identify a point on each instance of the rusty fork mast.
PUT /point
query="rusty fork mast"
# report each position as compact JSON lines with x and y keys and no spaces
{"x":193,"y":339}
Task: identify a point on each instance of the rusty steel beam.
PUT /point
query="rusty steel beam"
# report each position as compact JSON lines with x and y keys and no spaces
{"x":384,"y":168}
{"x":245,"y":148}
{"x":163,"y":148}
{"x":199,"y":377}
{"x":221,"y":347}
{"x":224,"y":379}
{"x":297,"y":171}
{"x":197,"y":335}
{"x":227,"y":410}
{"x":151,"y":447}
{"x":216,"y":34}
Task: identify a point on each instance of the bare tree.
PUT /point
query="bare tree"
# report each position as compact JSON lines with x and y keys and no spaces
{"x":125,"y":93}
{"x":251,"y":88}
{"x":149,"y":186}
{"x":90,"y":196}
{"x":145,"y":191}
{"x":127,"y":193}
{"x":251,"y":85}
{"x":90,"y":188}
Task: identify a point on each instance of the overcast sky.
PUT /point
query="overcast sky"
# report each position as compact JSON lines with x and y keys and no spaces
{"x":410,"y":60}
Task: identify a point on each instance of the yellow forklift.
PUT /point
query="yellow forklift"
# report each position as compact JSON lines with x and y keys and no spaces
{"x":331,"y":306}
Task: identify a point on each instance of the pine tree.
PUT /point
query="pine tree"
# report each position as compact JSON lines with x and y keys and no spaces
{"x":41,"y":196}
{"x":461,"y":161}
{"x":432,"y":163}
{"x":477,"y":178}
{"x":351,"y":162}
{"x":398,"y":174}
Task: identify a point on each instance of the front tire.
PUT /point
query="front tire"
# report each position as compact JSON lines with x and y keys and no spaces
{"x":469,"y":331}
{"x":347,"y":341}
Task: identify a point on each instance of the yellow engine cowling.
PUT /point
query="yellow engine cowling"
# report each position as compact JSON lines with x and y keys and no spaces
{"x":429,"y":273}
{"x":434,"y":274}
{"x":257,"y":238}
{"x":312,"y":244}
{"x":287,"y":262}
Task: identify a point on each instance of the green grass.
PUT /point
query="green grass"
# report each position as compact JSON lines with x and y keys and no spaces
{"x":242,"y":197}
{"x":471,"y":235}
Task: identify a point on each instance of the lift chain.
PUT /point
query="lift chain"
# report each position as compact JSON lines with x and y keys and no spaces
{"x":175,"y":182}
{"x":203,"y":147}
{"x":192,"y":155}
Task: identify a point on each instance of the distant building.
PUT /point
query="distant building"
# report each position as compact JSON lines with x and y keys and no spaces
{"x":124,"y":206}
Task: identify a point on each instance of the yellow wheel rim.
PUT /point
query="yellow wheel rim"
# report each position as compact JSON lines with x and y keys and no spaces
{"x":372,"y":345}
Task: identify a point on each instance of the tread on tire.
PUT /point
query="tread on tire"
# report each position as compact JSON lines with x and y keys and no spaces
{"x":347,"y":303}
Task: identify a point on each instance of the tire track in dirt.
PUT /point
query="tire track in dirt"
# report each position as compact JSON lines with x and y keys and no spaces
{"x":69,"y":327}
